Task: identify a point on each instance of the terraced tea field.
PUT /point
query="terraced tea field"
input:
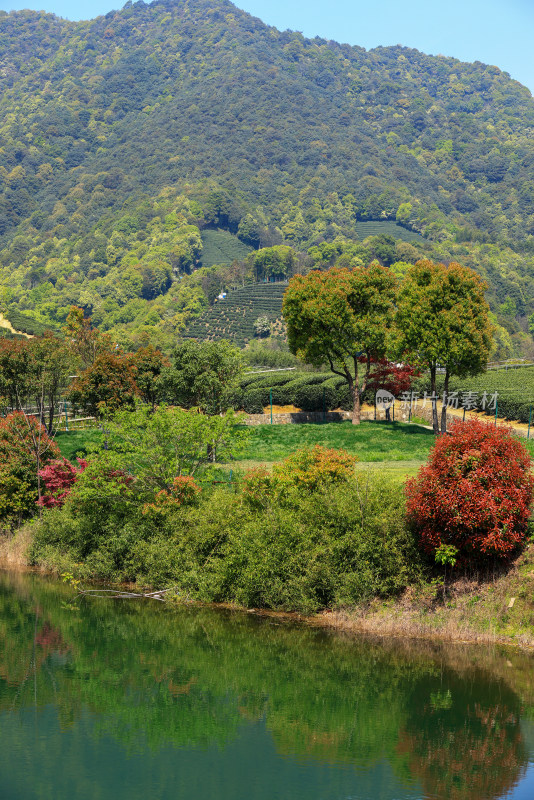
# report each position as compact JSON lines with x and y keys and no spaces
{"x":515,"y":388}
{"x":386,"y":228}
{"x":234,"y":317}
{"x":25,"y":323}
{"x":221,"y":247}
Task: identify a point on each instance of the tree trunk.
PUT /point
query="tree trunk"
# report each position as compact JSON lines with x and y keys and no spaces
{"x":444,"y":403}
{"x":51,"y":412}
{"x":356,"y":410}
{"x":435,"y":421}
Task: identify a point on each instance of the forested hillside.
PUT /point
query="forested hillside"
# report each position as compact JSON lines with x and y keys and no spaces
{"x":122,"y":138}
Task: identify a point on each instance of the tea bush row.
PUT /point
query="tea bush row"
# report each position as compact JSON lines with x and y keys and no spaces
{"x":234,"y":317}
{"x":515,"y":389}
{"x":307,"y":391}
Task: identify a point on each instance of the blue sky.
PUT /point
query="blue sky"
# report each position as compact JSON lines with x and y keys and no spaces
{"x":496,"y":32}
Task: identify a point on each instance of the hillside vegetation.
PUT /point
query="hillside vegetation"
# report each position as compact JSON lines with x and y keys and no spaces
{"x":134,"y":143}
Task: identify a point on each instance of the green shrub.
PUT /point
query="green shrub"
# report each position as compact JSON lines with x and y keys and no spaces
{"x":309,"y":535}
{"x":315,"y":398}
{"x":340,"y":545}
{"x":255,"y":400}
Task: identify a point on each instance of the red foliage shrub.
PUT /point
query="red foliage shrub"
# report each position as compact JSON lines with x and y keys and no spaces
{"x":475,"y":493}
{"x":23,"y":440}
{"x":24,"y":448}
{"x":59,"y":477}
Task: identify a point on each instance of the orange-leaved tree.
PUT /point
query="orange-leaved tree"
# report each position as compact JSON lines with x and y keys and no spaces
{"x":105,"y":386}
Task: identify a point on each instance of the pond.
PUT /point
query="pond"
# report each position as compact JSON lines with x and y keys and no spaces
{"x":134,"y":699}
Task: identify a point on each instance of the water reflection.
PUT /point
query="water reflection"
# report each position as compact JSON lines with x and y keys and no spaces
{"x":464,"y":741}
{"x":109,"y":700}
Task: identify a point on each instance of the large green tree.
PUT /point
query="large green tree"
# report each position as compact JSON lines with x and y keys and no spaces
{"x":34,"y":372}
{"x":340,"y":317}
{"x":157,"y":447}
{"x":204,"y":375}
{"x":148,"y":364}
{"x":443,"y":320}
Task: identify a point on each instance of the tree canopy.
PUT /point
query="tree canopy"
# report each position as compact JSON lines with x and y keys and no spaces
{"x":204,"y":375}
{"x":443,"y":320}
{"x":339,"y":316}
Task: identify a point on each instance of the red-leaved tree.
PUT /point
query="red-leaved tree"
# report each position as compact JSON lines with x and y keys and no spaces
{"x":394,"y":378}
{"x":475,"y":493}
{"x":59,"y":477}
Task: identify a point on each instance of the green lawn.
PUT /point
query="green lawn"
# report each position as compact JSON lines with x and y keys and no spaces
{"x":74,"y":442}
{"x":370,"y":441}
{"x":397,"y":448}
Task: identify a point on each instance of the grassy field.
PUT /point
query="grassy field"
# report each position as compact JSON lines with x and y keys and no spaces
{"x":398,"y":449}
{"x":370,"y":441}
{"x":77,"y":442}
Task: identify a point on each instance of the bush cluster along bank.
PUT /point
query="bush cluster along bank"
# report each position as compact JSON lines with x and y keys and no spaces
{"x":310,"y":534}
{"x":152,"y":504}
{"x":308,"y":550}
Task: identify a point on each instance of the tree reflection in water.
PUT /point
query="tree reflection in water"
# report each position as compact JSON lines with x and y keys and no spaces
{"x":445,"y":718}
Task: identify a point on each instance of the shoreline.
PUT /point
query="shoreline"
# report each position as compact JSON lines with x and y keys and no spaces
{"x":407,"y":617}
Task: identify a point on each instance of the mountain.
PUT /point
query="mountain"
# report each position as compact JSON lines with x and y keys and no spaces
{"x":122,"y":136}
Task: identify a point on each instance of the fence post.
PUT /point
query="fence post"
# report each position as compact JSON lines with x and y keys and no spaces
{"x":324,"y":404}
{"x":271,"y":402}
{"x":529,"y":422}
{"x":496,"y":410}
{"x":66,"y":418}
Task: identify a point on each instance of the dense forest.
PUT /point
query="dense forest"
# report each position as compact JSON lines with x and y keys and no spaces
{"x":125,"y":139}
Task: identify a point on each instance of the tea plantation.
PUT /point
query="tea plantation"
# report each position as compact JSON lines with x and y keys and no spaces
{"x":234,"y":317}
{"x":309,"y":391}
{"x":386,"y":228}
{"x":26,"y":323}
{"x":220,"y":247}
{"x":515,"y":388}
{"x":318,"y":391}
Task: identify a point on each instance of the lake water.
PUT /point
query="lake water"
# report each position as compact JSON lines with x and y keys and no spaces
{"x":135,"y":700}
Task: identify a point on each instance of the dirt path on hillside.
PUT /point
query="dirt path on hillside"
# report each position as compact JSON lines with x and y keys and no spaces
{"x":5,"y":323}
